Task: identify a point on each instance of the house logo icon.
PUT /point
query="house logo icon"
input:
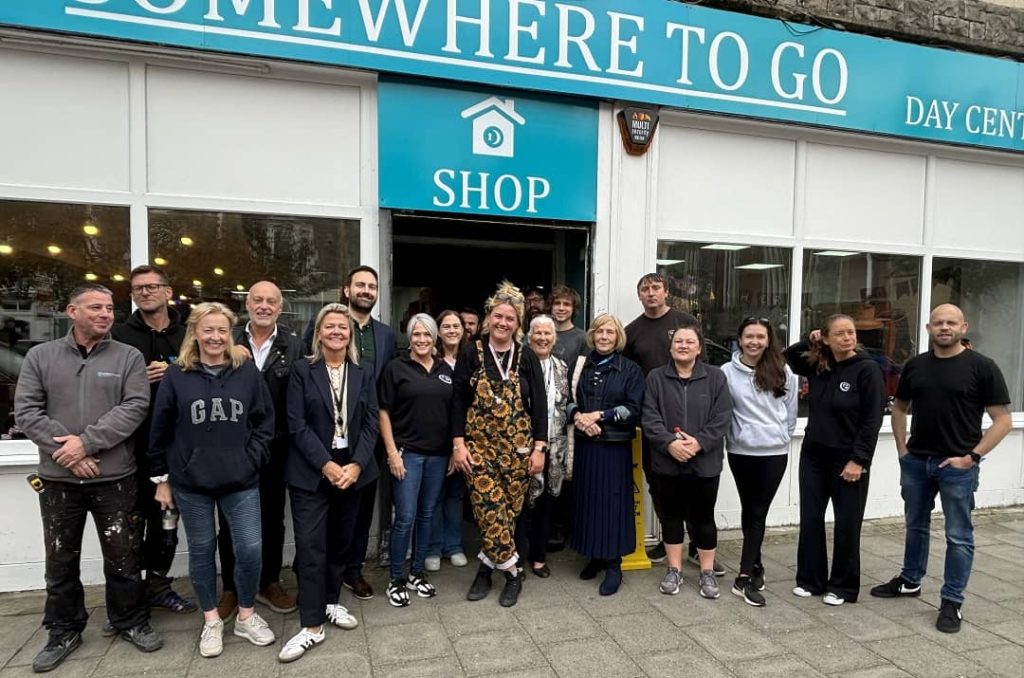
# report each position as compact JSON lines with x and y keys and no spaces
{"x":494,"y":126}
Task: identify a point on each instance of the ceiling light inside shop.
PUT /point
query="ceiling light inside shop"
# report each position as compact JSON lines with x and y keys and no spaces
{"x":833,"y":253}
{"x":197,"y":283}
{"x":91,"y":276}
{"x":218,"y":271}
{"x":90,"y":228}
{"x":117,"y":277}
{"x":6,"y":249}
{"x":159,"y":261}
{"x":54,"y":249}
{"x":240,"y":288}
{"x":670,"y":262}
{"x":186,"y":241}
{"x":725,"y":247}
{"x":758,"y":267}
{"x":182,"y":297}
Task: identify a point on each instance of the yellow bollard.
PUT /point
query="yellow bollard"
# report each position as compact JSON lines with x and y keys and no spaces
{"x":638,"y":560}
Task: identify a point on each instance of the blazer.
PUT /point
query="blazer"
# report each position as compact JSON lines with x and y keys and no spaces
{"x":284,"y":352}
{"x":311,"y":423}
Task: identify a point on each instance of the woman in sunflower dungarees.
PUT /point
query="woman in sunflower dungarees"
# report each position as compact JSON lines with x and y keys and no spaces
{"x":499,"y":431}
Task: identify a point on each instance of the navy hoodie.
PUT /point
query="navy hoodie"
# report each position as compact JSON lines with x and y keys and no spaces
{"x":212,"y":433}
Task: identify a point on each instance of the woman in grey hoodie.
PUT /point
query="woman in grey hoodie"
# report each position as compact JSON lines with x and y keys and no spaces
{"x":764,"y":402}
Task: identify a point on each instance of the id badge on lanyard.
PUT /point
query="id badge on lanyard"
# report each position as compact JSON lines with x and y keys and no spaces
{"x":340,"y":440}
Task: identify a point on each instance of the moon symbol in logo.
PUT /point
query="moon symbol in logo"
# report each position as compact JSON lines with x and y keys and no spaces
{"x":493,"y":137}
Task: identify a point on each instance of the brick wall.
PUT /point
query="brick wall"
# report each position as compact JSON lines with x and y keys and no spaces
{"x":971,"y":25}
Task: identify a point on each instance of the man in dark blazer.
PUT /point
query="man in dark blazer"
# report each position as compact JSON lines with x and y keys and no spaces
{"x":377,"y":346}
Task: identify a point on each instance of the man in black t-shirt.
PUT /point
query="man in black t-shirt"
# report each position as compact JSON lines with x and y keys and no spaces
{"x":950,"y":388}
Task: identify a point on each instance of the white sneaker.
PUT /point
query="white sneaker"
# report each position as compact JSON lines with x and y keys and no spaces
{"x":254,"y":629}
{"x":433,"y":563}
{"x":801,"y":592}
{"x":211,"y":641}
{"x":299,"y":643}
{"x":341,"y":617}
{"x":833,"y":599}
{"x":459,"y":559}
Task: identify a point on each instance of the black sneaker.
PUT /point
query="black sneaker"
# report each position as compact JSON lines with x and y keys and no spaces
{"x":513,"y":587}
{"x":656,"y":554}
{"x":897,"y":587}
{"x":143,"y":637}
{"x":172,"y":600}
{"x":949,"y":617}
{"x":396,"y":593}
{"x":57,"y":648}
{"x":757,"y":578}
{"x":716,"y":567}
{"x":108,"y":630}
{"x":744,"y":588}
{"x":481,"y":585}
{"x":418,"y":583}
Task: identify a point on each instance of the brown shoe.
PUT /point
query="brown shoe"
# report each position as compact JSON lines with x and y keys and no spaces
{"x":227,"y":605}
{"x":276,"y":599}
{"x":361,"y":588}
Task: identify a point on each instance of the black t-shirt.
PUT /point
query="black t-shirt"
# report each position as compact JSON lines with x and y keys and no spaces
{"x":419,"y":404}
{"x":649,"y":340}
{"x":948,"y":397}
{"x":571,"y":344}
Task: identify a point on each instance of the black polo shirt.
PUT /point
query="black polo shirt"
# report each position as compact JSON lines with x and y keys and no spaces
{"x":419,"y":404}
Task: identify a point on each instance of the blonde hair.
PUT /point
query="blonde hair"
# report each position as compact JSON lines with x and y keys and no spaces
{"x":605,"y":319}
{"x":507,"y":293}
{"x":188,"y":356}
{"x":352,"y":354}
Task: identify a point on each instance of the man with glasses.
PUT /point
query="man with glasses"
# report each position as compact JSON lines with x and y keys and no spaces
{"x":156,"y":330}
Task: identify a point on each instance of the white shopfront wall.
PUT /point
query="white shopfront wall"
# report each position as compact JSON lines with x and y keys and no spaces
{"x":151,"y":129}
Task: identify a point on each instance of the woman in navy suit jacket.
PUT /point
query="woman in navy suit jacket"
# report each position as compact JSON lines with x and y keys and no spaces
{"x":332,"y":418}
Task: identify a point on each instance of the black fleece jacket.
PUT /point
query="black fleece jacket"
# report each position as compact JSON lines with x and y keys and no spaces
{"x":845,"y":405}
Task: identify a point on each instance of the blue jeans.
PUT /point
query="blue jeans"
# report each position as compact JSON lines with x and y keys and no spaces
{"x":921,"y":479}
{"x":198,"y":514}
{"x":414,"y":497}
{"x":446,"y":533}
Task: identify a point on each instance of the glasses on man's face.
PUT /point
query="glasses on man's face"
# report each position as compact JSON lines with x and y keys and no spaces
{"x":151,"y":288}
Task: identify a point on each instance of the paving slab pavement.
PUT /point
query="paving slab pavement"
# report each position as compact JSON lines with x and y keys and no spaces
{"x":563,"y":628}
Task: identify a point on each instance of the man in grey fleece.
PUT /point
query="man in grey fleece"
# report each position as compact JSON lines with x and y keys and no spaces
{"x":79,"y":399}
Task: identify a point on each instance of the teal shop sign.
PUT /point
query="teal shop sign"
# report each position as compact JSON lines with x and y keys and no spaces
{"x":486,"y":152}
{"x":651,"y":51}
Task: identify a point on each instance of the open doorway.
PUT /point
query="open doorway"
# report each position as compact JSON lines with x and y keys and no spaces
{"x":441,"y":262}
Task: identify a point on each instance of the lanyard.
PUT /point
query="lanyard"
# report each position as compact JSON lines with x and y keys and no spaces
{"x":339,"y":389}
{"x":548,"y":368}
{"x":502,"y":370}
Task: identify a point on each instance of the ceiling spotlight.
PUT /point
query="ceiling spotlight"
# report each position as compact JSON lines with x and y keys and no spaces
{"x":186,"y":241}
{"x":90,"y":228}
{"x":239,"y":288}
{"x":53,"y":249}
{"x":117,"y":277}
{"x":159,"y":261}
{"x":197,"y":283}
{"x":218,"y":271}
{"x":91,"y":276}
{"x":6,"y":249}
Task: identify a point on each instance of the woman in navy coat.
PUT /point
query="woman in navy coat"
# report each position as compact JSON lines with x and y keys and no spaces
{"x":332,"y":418}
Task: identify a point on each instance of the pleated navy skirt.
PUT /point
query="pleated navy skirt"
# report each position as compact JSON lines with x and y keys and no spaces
{"x":603,"y":526}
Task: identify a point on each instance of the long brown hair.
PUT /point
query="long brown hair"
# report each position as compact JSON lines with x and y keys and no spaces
{"x":819,"y":356}
{"x":770,"y":372}
{"x":463,"y":340}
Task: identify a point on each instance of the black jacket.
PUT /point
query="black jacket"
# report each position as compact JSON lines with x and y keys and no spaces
{"x":284,"y":352}
{"x":619,"y":398}
{"x":212,"y":433}
{"x":701,"y":407}
{"x":845,"y":405}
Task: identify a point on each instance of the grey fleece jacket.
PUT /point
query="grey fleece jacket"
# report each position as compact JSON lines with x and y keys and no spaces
{"x":102,"y":399}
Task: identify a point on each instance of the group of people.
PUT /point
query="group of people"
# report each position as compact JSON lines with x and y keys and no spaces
{"x":140,"y":422}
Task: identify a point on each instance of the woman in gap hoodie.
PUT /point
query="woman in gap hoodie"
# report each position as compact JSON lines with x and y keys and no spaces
{"x":845,"y":398}
{"x":764,"y":392}
{"x":212,"y":424}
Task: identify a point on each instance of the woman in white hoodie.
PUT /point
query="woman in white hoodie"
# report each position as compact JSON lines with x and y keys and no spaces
{"x":764,"y":396}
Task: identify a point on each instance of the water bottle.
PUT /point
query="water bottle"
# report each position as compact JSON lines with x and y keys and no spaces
{"x":169,"y":522}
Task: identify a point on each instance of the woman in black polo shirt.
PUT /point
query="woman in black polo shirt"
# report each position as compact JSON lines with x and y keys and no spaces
{"x":415,"y":393}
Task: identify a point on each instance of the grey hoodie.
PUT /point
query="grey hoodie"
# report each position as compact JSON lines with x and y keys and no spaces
{"x":762,"y":424}
{"x":102,"y":399}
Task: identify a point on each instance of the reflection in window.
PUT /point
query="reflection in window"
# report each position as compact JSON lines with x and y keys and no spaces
{"x":46,"y":250}
{"x":879,"y":291}
{"x":991,"y":296}
{"x":216,"y":256}
{"x":723,"y":284}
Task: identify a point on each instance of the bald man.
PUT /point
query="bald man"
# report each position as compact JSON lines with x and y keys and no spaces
{"x":274,"y":348}
{"x":951,"y":387}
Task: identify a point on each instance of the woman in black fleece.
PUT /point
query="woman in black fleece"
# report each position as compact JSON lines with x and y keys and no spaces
{"x":846,"y":398}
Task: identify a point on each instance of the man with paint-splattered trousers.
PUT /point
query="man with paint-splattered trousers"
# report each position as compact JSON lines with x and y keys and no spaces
{"x":79,"y":399}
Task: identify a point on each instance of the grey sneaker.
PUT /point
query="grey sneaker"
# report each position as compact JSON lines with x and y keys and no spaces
{"x":708,"y":584}
{"x":254,"y":629}
{"x":211,"y":641}
{"x":671,"y":581}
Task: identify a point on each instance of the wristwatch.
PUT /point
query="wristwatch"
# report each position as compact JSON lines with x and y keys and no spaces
{"x":975,"y":456}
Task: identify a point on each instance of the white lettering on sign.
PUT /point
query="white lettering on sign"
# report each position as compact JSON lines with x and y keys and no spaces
{"x":241,"y":8}
{"x":374,"y":24}
{"x":684,"y":65}
{"x":303,"y":23}
{"x":515,"y":29}
{"x":580,"y":40}
{"x":476,"y":191}
{"x":617,"y":43}
{"x":953,"y":116}
{"x":744,"y":56}
{"x":483,"y":22}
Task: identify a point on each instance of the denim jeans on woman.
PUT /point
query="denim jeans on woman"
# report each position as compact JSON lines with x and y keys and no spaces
{"x":447,"y":531}
{"x":199,"y":515}
{"x":415,"y":497}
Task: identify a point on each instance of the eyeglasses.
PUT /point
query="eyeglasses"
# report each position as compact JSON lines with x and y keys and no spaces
{"x":762,"y":321}
{"x":151,"y":288}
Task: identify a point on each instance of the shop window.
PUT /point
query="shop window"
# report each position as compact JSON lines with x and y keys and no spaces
{"x":881,"y":292}
{"x":721,"y":284}
{"x":47,"y":249}
{"x":217,"y":256}
{"x":992,"y":296}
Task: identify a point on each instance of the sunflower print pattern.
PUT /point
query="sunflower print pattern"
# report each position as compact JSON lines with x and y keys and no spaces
{"x":497,"y":427}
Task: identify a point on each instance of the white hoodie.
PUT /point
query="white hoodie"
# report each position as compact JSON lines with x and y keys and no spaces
{"x":762,"y":424}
